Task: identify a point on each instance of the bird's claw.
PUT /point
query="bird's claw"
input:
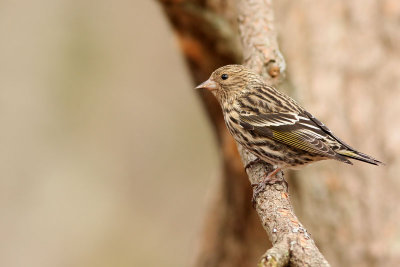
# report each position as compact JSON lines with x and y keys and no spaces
{"x":251,"y":163}
{"x":260,"y":187}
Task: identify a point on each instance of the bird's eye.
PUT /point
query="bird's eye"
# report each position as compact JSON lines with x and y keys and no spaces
{"x":224,"y":76}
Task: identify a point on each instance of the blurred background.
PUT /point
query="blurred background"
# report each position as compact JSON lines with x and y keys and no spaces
{"x":97,"y":163}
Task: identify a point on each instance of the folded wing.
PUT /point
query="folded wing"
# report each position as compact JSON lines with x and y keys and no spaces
{"x":292,"y":129}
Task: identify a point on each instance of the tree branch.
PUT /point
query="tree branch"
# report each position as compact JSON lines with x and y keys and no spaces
{"x":259,"y":38}
{"x":291,"y":242}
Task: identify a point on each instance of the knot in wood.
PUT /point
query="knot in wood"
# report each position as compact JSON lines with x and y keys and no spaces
{"x":273,"y":70}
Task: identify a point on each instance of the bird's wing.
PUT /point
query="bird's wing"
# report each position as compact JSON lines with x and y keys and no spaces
{"x":293,"y":129}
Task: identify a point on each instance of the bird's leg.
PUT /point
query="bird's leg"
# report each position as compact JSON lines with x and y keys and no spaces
{"x":268,"y":180}
{"x":251,"y":163}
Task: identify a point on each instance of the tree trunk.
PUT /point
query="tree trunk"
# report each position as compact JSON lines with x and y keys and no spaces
{"x":343,"y":61}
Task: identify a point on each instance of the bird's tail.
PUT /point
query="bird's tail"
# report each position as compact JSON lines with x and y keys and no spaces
{"x":353,"y":154}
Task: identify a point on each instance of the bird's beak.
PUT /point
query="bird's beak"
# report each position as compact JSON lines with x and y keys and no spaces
{"x":209,"y":85}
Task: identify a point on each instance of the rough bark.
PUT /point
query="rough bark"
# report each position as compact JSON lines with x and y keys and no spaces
{"x":259,"y":38}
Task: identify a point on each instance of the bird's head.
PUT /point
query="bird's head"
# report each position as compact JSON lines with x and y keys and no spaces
{"x":229,"y":81}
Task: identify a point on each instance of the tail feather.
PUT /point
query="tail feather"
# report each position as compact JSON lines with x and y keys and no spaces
{"x":359,"y":156}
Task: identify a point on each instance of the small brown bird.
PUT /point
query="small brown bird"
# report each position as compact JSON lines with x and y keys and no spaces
{"x":271,"y":125}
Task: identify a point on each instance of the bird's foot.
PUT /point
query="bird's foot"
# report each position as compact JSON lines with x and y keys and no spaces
{"x":269,"y":179}
{"x":251,"y":163}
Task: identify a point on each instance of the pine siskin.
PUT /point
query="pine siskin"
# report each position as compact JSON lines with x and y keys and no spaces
{"x":273,"y":126}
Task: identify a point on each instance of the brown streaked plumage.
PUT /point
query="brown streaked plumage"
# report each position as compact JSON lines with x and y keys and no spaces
{"x":273,"y":126}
